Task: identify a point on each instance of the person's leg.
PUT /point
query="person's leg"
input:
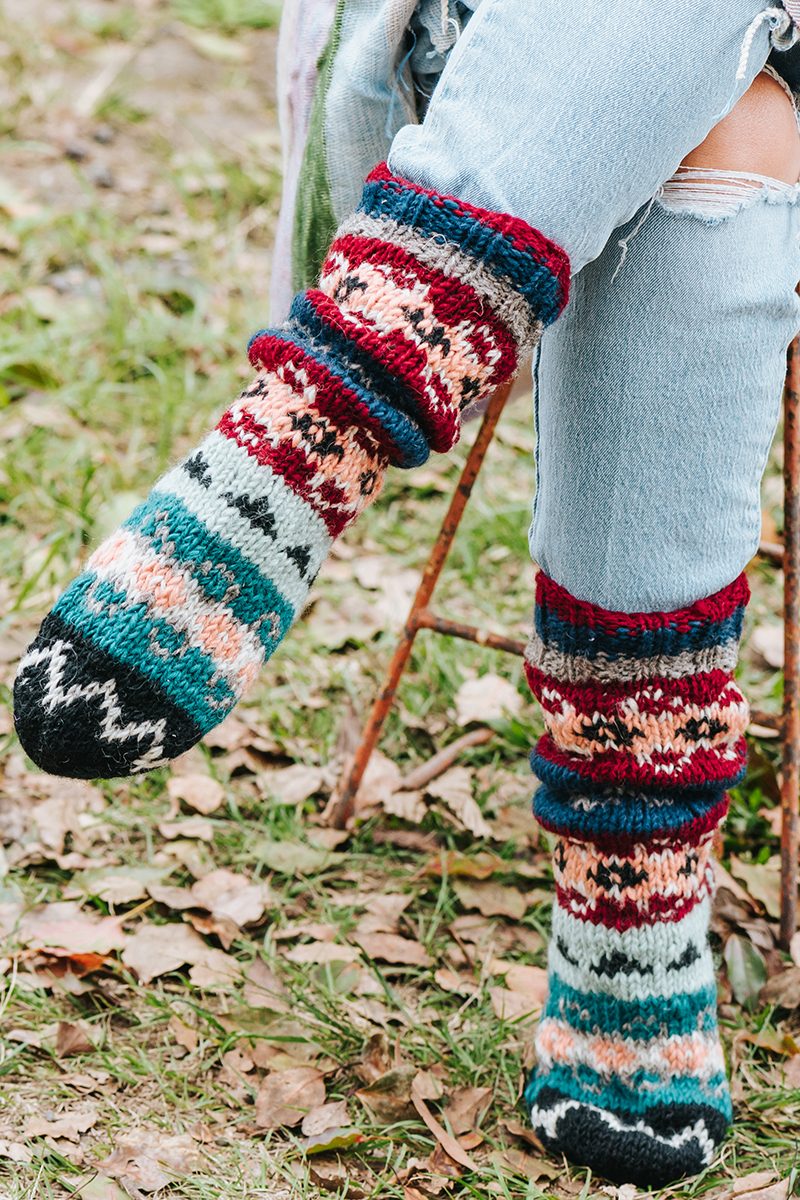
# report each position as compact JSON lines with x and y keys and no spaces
{"x":659,"y":392}
{"x":425,"y":303}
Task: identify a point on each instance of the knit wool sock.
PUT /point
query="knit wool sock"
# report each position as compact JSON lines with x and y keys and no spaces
{"x":644,"y":732}
{"x":424,"y":305}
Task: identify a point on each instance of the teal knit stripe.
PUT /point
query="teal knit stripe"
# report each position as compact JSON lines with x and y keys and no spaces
{"x":174,"y":529}
{"x":129,"y":633}
{"x":634,"y":1098}
{"x":640,"y":1020}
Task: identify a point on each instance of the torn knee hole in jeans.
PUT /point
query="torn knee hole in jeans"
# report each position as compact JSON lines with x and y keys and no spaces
{"x":716,"y":195}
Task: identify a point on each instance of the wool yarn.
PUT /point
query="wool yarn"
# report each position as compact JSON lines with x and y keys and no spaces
{"x":644,"y":731}
{"x":424,"y":304}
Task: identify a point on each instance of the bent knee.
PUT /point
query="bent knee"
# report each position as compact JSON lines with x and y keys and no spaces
{"x":759,"y":136}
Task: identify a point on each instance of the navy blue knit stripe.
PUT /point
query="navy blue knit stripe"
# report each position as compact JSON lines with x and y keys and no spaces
{"x":589,"y":642}
{"x":411,"y":444}
{"x":643,"y":816}
{"x":373,"y":375}
{"x":445,"y":219}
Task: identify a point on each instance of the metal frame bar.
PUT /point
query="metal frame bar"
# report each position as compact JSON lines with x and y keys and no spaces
{"x":342,"y":804}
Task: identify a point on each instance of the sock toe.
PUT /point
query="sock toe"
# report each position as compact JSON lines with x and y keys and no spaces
{"x":81,"y":713}
{"x":670,"y":1142}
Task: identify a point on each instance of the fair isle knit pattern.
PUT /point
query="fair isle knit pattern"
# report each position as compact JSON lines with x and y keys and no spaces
{"x":644,"y":733}
{"x":424,"y":305}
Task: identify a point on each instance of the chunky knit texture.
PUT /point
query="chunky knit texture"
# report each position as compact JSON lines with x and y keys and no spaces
{"x":644,"y":732}
{"x":423,"y":306}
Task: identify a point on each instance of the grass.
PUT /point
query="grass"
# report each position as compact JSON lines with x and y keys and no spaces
{"x":124,"y":315}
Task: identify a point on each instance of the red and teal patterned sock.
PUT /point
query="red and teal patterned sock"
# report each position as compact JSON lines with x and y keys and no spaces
{"x":424,"y":305}
{"x":644,"y":734}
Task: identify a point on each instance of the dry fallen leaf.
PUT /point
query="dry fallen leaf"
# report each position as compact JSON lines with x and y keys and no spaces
{"x":200,"y":792}
{"x":783,"y":989}
{"x":388,"y":1096}
{"x":188,"y":827}
{"x":491,"y":899}
{"x":487,"y":698}
{"x":767,"y":640}
{"x":15,"y":1152}
{"x":762,"y":880}
{"x":325,"y":1116}
{"x":454,"y":789}
{"x":285,"y":1097}
{"x":72,"y":1039}
{"x":155,"y":950}
{"x":518,"y":1162}
{"x":408,"y":806}
{"x":184,"y":1035}
{"x":150,"y":1159}
{"x":510,"y":1006}
{"x":383,"y":912}
{"x":774,"y":1191}
{"x":317,"y":953}
{"x":64,"y":925}
{"x":391,"y":948}
{"x":466,"y":1108}
{"x":449,"y":1144}
{"x":69,"y":1125}
{"x":263,"y":989}
{"x":293,"y":785}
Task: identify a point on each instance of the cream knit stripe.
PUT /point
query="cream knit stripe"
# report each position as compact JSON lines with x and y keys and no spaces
{"x":233,"y":472}
{"x":652,"y":960}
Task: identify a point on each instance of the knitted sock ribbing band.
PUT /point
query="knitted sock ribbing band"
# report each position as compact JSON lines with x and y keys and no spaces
{"x":644,"y":732}
{"x":424,"y":304}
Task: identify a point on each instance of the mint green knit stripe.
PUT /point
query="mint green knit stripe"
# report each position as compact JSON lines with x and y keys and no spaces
{"x":214,"y":563}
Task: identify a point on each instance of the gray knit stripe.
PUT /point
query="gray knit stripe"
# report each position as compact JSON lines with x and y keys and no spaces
{"x":449,"y":260}
{"x":573,"y":668}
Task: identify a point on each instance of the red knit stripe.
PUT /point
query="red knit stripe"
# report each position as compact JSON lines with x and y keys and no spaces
{"x":705,"y":768}
{"x":406,"y":362}
{"x":332,"y":398}
{"x":701,"y":689}
{"x":628,"y":915}
{"x":522,"y":235}
{"x":551,"y":596}
{"x":455,"y":303}
{"x":290,"y":462}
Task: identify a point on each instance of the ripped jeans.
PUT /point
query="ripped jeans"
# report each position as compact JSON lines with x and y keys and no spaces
{"x":659,"y":389}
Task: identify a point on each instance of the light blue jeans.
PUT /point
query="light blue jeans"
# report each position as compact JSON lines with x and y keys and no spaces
{"x":659,"y":388}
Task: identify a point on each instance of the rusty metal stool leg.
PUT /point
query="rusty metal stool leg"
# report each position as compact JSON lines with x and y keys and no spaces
{"x":790,"y":781}
{"x":340,"y":809}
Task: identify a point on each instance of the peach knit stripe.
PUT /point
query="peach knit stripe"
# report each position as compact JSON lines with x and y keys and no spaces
{"x":643,"y":735}
{"x":131,"y":563}
{"x":675,"y":871}
{"x":696,"y":1054}
{"x":383,"y":304}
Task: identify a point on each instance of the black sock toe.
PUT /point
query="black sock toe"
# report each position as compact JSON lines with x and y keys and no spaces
{"x":81,"y":713}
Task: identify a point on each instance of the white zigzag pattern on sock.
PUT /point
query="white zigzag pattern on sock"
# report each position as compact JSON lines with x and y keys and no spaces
{"x":56,"y":696}
{"x":547,"y":1119}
